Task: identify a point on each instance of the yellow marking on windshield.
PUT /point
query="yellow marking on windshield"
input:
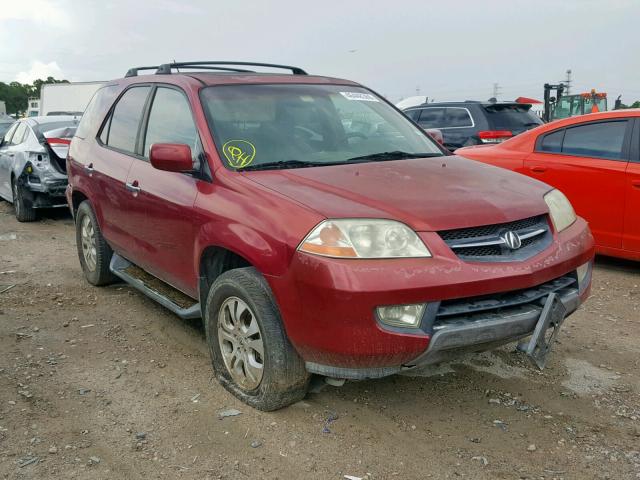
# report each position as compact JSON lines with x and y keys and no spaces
{"x":239,"y":153}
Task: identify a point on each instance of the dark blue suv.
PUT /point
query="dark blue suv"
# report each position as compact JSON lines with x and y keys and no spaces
{"x":474,"y":123}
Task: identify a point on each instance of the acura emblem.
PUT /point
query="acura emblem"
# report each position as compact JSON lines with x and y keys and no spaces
{"x":512,"y":240}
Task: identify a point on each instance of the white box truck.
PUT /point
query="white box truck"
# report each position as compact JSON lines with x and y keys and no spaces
{"x":66,"y":98}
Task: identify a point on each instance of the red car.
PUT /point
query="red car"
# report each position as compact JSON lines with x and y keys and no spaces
{"x":595,"y":161}
{"x":314,"y":227}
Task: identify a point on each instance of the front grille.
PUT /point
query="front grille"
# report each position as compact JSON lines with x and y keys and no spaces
{"x":485,"y":243}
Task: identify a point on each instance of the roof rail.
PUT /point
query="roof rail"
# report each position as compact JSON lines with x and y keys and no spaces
{"x":133,"y":72}
{"x":165,"y":68}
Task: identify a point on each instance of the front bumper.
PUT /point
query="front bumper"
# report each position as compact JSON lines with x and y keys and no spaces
{"x":328,"y":305}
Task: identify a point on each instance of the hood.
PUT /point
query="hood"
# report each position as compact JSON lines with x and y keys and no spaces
{"x":428,"y":194}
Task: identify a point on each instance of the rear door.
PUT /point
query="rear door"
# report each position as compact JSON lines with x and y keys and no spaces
{"x":631,"y":236}
{"x":109,"y":169}
{"x":587,"y":162}
{"x":161,"y":205}
{"x":455,"y":123}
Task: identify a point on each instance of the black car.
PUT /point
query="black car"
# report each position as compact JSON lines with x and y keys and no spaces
{"x":474,"y":123}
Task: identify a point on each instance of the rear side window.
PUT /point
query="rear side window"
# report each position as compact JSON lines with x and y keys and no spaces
{"x":125,"y":119}
{"x":600,"y":140}
{"x":18,"y":137}
{"x":457,"y":118}
{"x":514,"y":118}
{"x":552,"y":142}
{"x":431,"y":117}
{"x":96,"y":110}
{"x":170,"y":121}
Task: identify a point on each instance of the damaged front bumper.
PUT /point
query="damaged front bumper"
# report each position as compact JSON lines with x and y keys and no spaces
{"x":329,"y":306}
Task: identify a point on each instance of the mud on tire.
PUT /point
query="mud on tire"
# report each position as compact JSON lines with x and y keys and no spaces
{"x":284,"y":377}
{"x":96,"y":268}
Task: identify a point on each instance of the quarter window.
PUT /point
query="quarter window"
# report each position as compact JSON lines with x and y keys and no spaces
{"x":170,"y":121}
{"x":600,"y":140}
{"x":95,"y":111}
{"x":125,"y":119}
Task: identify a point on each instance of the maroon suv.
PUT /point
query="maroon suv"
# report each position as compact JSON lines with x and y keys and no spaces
{"x":314,"y":227}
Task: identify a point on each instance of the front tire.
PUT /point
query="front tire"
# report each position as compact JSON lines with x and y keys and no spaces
{"x":251,"y":354}
{"x":93,"y":250}
{"x":21,"y":204}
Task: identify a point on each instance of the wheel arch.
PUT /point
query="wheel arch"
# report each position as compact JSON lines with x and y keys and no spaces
{"x":214,"y":261}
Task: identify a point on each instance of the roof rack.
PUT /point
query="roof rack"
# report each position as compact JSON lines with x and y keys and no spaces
{"x":166,"y":68}
{"x":133,"y":72}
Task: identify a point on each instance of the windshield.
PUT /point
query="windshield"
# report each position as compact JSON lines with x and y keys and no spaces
{"x":303,"y":125}
{"x":515,"y":118}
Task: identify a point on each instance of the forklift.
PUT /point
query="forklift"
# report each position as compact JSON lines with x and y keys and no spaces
{"x":564,"y":106}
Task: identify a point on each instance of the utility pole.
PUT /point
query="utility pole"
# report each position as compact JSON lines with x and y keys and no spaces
{"x":568,"y":80}
{"x":496,"y":90}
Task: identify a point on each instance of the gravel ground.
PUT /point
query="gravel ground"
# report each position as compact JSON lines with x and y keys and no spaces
{"x":103,"y":383}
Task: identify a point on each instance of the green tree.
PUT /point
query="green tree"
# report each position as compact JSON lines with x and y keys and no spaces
{"x":16,"y":95}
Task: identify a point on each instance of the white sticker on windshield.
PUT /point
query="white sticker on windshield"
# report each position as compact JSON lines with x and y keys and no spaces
{"x":363,"y":97}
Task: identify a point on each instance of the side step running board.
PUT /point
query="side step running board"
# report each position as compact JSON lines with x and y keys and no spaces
{"x":167,"y":296}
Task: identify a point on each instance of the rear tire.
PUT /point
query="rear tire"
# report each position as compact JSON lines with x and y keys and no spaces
{"x":22,"y":205}
{"x":269,"y":374}
{"x":93,"y":250}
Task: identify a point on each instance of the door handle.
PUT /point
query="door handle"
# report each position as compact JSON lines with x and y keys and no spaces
{"x":133,"y":187}
{"x":538,"y":169}
{"x":635,"y":183}
{"x":10,"y":154}
{"x":89,"y":168}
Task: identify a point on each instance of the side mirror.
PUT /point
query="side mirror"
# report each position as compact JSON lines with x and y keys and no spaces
{"x":171,"y":157}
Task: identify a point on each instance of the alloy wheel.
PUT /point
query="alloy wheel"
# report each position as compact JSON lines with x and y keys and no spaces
{"x":87,"y":234}
{"x":241,"y":343}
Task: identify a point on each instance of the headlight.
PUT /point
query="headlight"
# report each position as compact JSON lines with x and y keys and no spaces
{"x":364,"y":238}
{"x":560,"y":209}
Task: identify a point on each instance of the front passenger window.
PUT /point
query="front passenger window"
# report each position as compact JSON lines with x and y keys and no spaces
{"x":170,"y":121}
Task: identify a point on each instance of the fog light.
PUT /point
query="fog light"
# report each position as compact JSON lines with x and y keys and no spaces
{"x":584,"y":275}
{"x":407,"y":316}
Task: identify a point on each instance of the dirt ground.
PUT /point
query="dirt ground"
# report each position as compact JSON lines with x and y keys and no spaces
{"x":101,"y":383}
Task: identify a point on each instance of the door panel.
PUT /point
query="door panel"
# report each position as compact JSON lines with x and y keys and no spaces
{"x":587,"y":162}
{"x":109,"y":171}
{"x":110,"y":168}
{"x":594,"y":186}
{"x":162,"y":224}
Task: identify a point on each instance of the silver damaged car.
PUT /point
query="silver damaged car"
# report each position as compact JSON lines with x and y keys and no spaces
{"x":33,"y":171}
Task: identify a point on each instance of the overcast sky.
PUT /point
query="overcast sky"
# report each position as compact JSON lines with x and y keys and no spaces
{"x":449,"y":50}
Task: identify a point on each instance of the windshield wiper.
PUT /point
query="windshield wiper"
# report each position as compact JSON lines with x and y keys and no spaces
{"x":283,"y":164}
{"x":395,"y":155}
